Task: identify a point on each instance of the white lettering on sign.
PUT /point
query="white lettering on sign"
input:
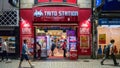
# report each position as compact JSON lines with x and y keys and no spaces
{"x":26,"y":31}
{"x":84,"y":31}
{"x":39,"y":13}
{"x":68,"y":13}
{"x":50,"y":13}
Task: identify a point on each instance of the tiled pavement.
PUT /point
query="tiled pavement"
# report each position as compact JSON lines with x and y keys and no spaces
{"x":81,"y":63}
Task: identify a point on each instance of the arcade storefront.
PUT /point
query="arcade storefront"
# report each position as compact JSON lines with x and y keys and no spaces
{"x":45,"y":24}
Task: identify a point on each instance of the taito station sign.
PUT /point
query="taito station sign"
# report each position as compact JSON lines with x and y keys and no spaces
{"x":61,"y":14}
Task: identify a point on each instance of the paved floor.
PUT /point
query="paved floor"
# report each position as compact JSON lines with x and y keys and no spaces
{"x":81,"y":63}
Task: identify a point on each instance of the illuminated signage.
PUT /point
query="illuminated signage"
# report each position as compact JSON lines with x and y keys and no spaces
{"x":40,"y":13}
{"x":98,"y":2}
{"x":26,"y":28}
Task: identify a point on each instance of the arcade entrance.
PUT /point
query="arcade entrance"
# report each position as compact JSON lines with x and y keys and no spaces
{"x":46,"y":36}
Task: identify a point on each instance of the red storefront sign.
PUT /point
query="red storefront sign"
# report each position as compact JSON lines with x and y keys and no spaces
{"x":55,"y":14}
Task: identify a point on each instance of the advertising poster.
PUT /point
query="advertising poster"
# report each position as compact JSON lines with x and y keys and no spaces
{"x":84,"y":41}
{"x":42,"y":40}
{"x":102,"y":38}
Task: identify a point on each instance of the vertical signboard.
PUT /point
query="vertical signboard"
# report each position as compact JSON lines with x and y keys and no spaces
{"x":85,"y":32}
{"x":26,"y":29}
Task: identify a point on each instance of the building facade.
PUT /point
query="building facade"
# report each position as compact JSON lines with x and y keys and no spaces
{"x":107,"y":23}
{"x":9,"y":27}
{"x":43,"y":20}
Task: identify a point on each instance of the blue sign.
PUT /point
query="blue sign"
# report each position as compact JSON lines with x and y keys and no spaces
{"x":98,"y":3}
{"x":106,"y":21}
{"x":111,"y":5}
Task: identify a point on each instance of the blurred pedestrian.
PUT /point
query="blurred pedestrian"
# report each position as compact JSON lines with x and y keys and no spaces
{"x":4,"y":50}
{"x":53,"y":48}
{"x":25,"y":54}
{"x":110,"y":51}
{"x":38,"y":49}
{"x":115,"y":49}
{"x":99,"y":50}
{"x":64,"y":47}
{"x":104,"y":49}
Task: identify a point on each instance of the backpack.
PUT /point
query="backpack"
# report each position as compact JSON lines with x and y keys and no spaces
{"x":107,"y":49}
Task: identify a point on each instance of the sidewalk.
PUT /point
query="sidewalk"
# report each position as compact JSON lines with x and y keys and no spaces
{"x":80,"y":63}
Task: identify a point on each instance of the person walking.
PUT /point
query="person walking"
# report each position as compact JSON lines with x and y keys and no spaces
{"x":104,"y":49}
{"x":100,"y":50}
{"x":25,"y":54}
{"x":110,"y":51}
{"x":4,"y":50}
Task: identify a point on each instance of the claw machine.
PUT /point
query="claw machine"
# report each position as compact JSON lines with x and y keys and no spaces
{"x":42,"y":40}
{"x":72,"y":44}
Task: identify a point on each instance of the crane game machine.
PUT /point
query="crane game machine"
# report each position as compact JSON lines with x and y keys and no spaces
{"x":42,"y":40}
{"x":72,"y":42}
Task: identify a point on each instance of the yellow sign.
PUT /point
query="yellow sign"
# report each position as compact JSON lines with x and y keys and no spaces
{"x":102,"y":38}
